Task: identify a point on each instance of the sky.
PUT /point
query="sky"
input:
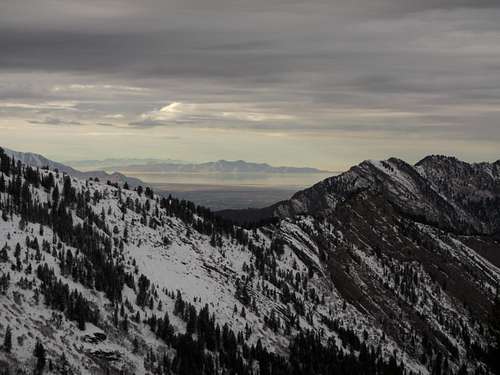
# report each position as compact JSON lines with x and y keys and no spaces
{"x":323,"y":83}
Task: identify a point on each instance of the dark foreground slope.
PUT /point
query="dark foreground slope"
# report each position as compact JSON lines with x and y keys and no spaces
{"x":392,"y":235}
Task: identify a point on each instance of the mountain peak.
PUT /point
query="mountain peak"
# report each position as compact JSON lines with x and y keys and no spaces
{"x":437,"y":158}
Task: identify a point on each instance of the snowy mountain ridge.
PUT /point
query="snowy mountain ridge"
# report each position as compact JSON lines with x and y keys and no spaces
{"x":40,"y":161}
{"x":113,"y":280}
{"x":438,"y":189}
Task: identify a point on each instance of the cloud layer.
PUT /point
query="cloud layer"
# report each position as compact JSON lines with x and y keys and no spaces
{"x":361,"y":72}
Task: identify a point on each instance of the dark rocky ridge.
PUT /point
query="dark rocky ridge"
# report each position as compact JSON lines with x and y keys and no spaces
{"x":442,"y":191}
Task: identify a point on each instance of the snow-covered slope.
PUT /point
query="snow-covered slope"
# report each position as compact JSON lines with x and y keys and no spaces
{"x":350,"y":274}
{"x":40,"y":161}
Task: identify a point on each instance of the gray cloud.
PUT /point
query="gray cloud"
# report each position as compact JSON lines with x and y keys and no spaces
{"x":377,"y":67}
{"x":147,"y":123}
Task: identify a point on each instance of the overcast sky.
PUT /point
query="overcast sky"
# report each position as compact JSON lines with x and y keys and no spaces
{"x":325,"y":83}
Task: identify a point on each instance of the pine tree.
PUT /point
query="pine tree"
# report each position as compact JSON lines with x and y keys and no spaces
{"x":7,"y":342}
{"x":81,"y":322}
{"x":495,"y":325}
{"x":55,"y":195}
{"x":40,"y":357}
{"x":135,"y":344}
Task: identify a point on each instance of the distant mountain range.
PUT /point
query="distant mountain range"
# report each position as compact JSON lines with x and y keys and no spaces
{"x":39,"y":161}
{"x":220,"y":166}
{"x":114,"y":163}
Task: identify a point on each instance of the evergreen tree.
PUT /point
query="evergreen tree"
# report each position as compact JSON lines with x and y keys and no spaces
{"x":495,"y":325}
{"x":55,"y":195}
{"x":40,"y":357}
{"x":7,"y":342}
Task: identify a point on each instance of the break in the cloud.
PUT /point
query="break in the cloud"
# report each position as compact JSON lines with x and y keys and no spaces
{"x":198,"y":115}
{"x":328,"y":80}
{"x":116,"y":116}
{"x":41,"y":106}
{"x":54,"y":121}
